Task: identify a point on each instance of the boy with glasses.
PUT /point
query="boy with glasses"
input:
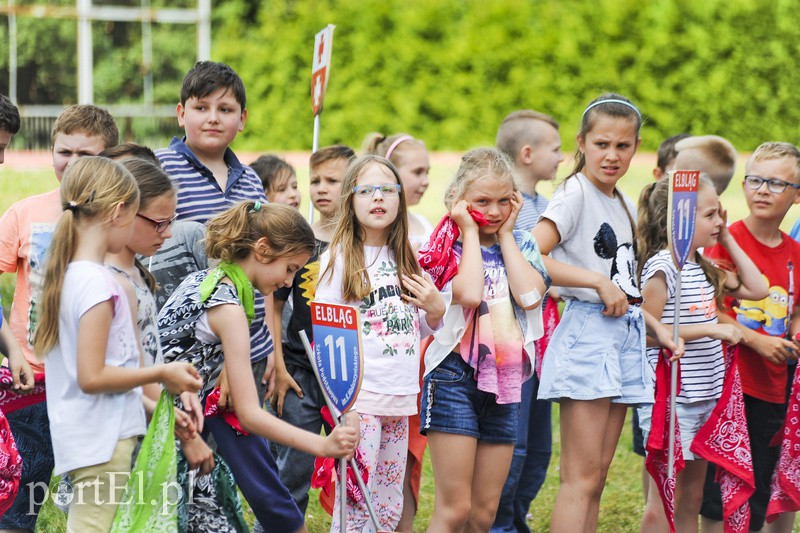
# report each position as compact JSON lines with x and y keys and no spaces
{"x":770,"y":186}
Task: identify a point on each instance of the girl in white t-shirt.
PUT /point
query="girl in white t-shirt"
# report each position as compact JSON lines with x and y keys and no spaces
{"x":595,"y":363}
{"x":703,"y":365}
{"x":86,"y":331}
{"x":370,"y":264}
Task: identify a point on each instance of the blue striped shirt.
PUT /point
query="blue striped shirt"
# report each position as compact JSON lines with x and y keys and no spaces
{"x":200,"y":198}
{"x":532,"y":209}
{"x":199,"y":194}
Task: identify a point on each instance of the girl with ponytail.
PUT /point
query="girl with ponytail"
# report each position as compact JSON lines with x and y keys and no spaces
{"x":94,"y":365}
{"x":703,"y":286}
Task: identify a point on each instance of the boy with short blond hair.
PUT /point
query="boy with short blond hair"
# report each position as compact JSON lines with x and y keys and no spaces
{"x":532,"y":141}
{"x":711,"y":154}
{"x":25,"y":233}
{"x":771,"y":186}
{"x":298,"y":398}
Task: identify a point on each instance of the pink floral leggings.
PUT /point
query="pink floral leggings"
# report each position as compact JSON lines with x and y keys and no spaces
{"x":384,"y":448}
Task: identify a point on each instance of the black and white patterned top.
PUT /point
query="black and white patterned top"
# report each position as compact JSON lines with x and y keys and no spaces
{"x":184,"y":333}
{"x":145,"y":317}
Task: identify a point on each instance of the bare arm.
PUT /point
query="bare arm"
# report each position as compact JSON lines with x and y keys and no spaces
{"x":564,"y":275}
{"x":95,"y":377}
{"x":753,"y":286}
{"x":283,"y":380}
{"x":468,"y":283}
{"x":21,"y":371}
{"x":654,"y":293}
{"x":229,"y":323}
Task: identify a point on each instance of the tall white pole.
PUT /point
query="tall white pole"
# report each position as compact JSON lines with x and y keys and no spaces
{"x":673,"y":381}
{"x":85,"y":53}
{"x":203,"y":30}
{"x":12,"y":52}
{"x":314,"y":148}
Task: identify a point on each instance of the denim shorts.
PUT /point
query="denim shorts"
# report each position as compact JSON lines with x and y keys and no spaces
{"x":592,"y":356}
{"x":452,"y":403}
{"x":691,"y":417}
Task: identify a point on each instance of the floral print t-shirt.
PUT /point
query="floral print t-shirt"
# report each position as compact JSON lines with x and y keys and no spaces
{"x":390,"y":327}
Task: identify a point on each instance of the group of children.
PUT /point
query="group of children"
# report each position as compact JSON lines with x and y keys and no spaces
{"x":187,"y":268}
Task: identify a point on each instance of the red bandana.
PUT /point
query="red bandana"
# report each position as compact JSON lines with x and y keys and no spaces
{"x":786,"y":479}
{"x":658,"y":441}
{"x":436,"y":256}
{"x":724,"y":441}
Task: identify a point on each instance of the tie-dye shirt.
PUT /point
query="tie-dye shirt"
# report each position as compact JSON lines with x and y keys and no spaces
{"x":496,"y":338}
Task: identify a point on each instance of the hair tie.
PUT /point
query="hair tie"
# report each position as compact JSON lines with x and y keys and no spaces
{"x":394,"y":145}
{"x":256,"y":206}
{"x":611,"y":101}
{"x":70,"y":206}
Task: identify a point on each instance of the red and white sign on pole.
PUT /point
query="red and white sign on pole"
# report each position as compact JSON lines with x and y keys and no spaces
{"x":321,"y":67}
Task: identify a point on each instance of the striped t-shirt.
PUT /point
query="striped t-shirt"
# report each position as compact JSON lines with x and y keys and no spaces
{"x":200,"y":198}
{"x":532,"y":208}
{"x":703,"y":365}
{"x":199,"y":194}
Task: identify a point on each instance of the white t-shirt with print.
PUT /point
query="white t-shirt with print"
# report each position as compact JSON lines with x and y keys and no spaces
{"x":596,"y":234}
{"x":390,"y":327}
{"x":86,"y":427}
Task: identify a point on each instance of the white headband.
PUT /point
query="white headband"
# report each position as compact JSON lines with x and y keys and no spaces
{"x":611,"y":101}
{"x":394,"y":145}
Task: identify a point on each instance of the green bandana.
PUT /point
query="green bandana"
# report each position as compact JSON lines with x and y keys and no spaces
{"x":244,"y":289}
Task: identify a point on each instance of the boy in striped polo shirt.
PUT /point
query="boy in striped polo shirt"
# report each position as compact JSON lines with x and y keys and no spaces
{"x":210,"y":179}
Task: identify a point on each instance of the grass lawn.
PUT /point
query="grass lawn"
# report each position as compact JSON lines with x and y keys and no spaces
{"x":622,"y":500}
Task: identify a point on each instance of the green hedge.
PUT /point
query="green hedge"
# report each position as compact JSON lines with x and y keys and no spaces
{"x":448,"y":71}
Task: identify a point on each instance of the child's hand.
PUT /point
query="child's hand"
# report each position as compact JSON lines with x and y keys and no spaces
{"x":516,"y":206}
{"x":268,"y":378}
{"x":184,"y":427}
{"x":774,"y":349}
{"x":198,"y":455}
{"x":613,"y":298}
{"x":341,"y":443}
{"x":225,"y":398}
{"x":462,"y":218}
{"x":283,"y":382}
{"x":22,"y":373}
{"x":193,"y":408}
{"x":663,"y":335}
{"x":425,"y":296}
{"x":179,"y":376}
{"x":728,"y":333}
{"x":724,"y":235}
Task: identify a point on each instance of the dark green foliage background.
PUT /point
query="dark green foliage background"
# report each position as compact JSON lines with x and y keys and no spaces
{"x":449,"y":70}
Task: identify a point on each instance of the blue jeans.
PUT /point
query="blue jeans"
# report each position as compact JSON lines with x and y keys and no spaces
{"x":529,"y":463}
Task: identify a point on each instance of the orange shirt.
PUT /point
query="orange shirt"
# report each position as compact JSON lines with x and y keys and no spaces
{"x":26,"y":230}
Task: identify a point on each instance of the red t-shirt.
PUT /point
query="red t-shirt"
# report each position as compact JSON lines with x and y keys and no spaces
{"x":763,"y":379}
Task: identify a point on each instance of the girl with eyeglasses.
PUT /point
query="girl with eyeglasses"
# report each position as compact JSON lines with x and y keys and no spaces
{"x":151,"y":227}
{"x":370,"y":264}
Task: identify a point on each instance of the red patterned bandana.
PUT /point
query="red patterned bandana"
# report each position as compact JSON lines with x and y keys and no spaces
{"x":658,"y":441}
{"x":436,"y":256}
{"x":724,"y":441}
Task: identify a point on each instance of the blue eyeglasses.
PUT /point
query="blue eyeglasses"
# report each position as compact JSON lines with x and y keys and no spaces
{"x":368,"y":191}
